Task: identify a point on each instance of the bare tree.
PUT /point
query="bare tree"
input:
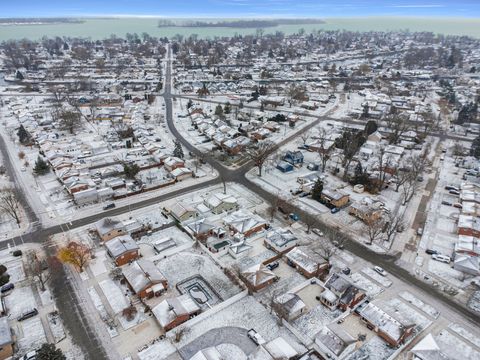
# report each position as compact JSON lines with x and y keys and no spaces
{"x":384,"y":162}
{"x":397,"y":126}
{"x":304,"y":137}
{"x":393,"y":223}
{"x":37,"y":267}
{"x":324,"y":247}
{"x":70,"y":120}
{"x":259,"y":153}
{"x":374,"y":228}
{"x":10,"y":203}
{"x":323,"y":150}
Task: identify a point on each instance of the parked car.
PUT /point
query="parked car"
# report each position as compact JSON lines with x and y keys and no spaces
{"x":317,"y":232}
{"x":458,"y":205}
{"x":293,"y":217}
{"x":335,"y":210}
{"x":32,"y":355}
{"x":296,"y":191}
{"x":7,"y":287}
{"x":446,"y":203}
{"x":312,"y":166}
{"x":346,"y":271}
{"x":431,"y":251}
{"x":380,"y":270}
{"x":442,"y":258}
{"x":420,"y":231}
{"x":450,"y":187}
{"x":255,"y":337}
{"x":109,"y":206}
{"x":28,"y":314}
{"x":454,"y":192}
{"x":272,"y":265}
{"x":337,"y":244}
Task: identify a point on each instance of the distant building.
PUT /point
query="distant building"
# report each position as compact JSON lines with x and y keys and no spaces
{"x":307,"y":265}
{"x":281,"y":240}
{"x":108,"y":228}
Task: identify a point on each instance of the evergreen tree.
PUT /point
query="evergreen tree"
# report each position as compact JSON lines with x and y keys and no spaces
{"x":317,"y":190}
{"x":189,"y":104}
{"x":219,"y":110}
{"x":227,"y":109}
{"x":41,"y":166}
{"x":475,"y":149}
{"x":131,"y":171}
{"x":49,"y":352}
{"x":178,"y":150}
{"x":19,"y":75}
{"x":23,"y":135}
{"x":370,"y":127}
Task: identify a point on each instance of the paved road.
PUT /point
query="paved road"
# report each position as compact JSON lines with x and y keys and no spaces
{"x":225,"y":335}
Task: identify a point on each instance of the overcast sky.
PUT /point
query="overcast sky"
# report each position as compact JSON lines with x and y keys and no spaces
{"x":240,"y":8}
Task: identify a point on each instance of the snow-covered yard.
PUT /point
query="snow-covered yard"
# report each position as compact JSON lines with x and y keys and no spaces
{"x":20,"y":300}
{"x":382,"y":280}
{"x":454,"y":348}
{"x":375,"y":349}
{"x":371,"y":288}
{"x":419,"y":304}
{"x":33,"y":334}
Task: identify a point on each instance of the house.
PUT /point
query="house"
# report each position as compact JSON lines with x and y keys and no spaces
{"x":219,"y":203}
{"x":393,"y":331}
{"x":284,"y":166}
{"x":467,"y":245}
{"x":348,"y":294}
{"x":366,"y":213}
{"x":181,"y":173}
{"x":289,"y":306}
{"x":467,"y":264}
{"x":182,"y":212}
{"x":6,"y":339}
{"x":200,"y":229}
{"x":335,"y":342}
{"x":239,"y":248}
{"x":306,"y":264}
{"x":122,"y":249}
{"x":257,"y":277}
{"x":335,"y":198}
{"x":293,"y":157}
{"x":174,"y":311}
{"x":279,"y":348}
{"x":210,"y":353}
{"x":427,"y":349}
{"x":280,"y":240}
{"x":171,"y":163}
{"x":469,"y":226}
{"x":109,"y":228}
{"x":144,"y":278}
{"x":244,"y":222}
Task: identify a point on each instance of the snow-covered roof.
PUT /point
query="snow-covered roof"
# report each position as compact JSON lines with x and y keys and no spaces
{"x":258,"y":274}
{"x":121,"y":245}
{"x":210,"y":353}
{"x":142,"y":273}
{"x":279,"y":348}
{"x":5,"y":332}
{"x":169,"y":309}
{"x":428,"y":349}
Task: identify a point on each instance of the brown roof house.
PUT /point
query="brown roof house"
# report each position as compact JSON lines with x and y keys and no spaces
{"x":109,"y":228}
{"x":145,"y":278}
{"x":390,"y":329}
{"x":335,"y":342}
{"x":6,"y":339}
{"x":122,"y":249}
{"x":289,"y":306}
{"x":348,"y":294}
{"x":182,"y":212}
{"x":244,"y":222}
{"x":306,"y":264}
{"x":172,"y":312}
{"x":257,"y":277}
{"x":335,"y":198}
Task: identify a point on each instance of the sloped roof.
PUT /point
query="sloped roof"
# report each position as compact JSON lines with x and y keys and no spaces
{"x":258,"y":274}
{"x":142,"y":273}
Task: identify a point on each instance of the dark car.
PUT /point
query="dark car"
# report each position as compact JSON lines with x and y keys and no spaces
{"x":273,"y":265}
{"x":7,"y":287}
{"x":446,"y":203}
{"x":109,"y":206}
{"x":346,"y":271}
{"x":431,"y":251}
{"x":28,"y":314}
{"x":454,"y":192}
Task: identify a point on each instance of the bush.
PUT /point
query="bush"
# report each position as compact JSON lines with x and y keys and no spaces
{"x":17,"y":253}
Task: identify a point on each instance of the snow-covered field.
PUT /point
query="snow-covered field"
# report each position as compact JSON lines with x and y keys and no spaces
{"x":375,"y":349}
{"x":454,"y":348}
{"x":466,"y":334}
{"x":183,"y":265}
{"x":312,"y":322}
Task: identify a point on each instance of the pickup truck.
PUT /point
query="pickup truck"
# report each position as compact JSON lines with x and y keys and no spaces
{"x":255,"y":337}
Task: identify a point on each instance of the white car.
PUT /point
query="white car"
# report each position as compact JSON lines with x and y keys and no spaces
{"x":23,"y":168}
{"x":380,"y":270}
{"x":255,"y":337}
